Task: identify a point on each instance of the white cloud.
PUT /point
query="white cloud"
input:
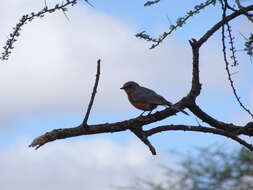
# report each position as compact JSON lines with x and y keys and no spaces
{"x":95,"y":164}
{"x":52,"y":68}
{"x":53,"y":65}
{"x":52,"y":71}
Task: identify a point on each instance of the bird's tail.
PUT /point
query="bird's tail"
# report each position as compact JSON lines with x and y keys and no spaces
{"x":176,"y":108}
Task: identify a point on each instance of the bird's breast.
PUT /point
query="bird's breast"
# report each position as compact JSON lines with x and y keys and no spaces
{"x":139,"y":105}
{"x":143,"y":106}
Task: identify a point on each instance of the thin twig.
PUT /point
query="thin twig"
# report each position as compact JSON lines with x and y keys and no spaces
{"x":234,"y":59}
{"x":197,"y":121}
{"x":179,"y":23}
{"x":28,"y":18}
{"x":66,"y":16}
{"x":232,"y":48}
{"x":45,"y":2}
{"x":88,"y":2}
{"x":149,"y":3}
{"x":92,"y":95}
{"x":64,"y":10}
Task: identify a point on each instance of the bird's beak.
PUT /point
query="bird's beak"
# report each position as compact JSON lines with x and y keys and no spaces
{"x":122,"y":88}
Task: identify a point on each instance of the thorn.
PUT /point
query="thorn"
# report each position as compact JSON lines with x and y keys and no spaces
{"x":89,"y":3}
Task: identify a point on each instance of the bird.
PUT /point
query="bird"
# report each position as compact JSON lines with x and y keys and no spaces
{"x":144,"y":98}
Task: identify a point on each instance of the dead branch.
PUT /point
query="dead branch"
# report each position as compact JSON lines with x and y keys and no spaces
{"x":199,"y":129}
{"x":212,"y":121}
{"x":138,"y":131}
{"x":92,"y":95}
{"x":103,"y":128}
{"x":248,"y":15}
{"x":189,"y":101}
{"x":133,"y":125}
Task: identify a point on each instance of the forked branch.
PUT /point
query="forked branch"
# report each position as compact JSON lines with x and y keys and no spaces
{"x":136,"y":125}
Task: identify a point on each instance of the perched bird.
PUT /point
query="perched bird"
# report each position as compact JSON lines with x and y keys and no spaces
{"x":145,"y":99}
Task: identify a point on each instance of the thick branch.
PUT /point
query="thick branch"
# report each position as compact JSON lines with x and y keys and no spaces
{"x":199,"y":129}
{"x":122,"y":126}
{"x":248,"y":15}
{"x":214,"y":122}
{"x":196,"y":86}
{"x":136,"y":124}
{"x":92,"y":95}
{"x":103,"y":128}
{"x":131,"y":124}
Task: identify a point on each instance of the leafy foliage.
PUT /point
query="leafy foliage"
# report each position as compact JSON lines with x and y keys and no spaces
{"x":179,"y":23}
{"x":28,"y":18}
{"x":149,"y":3}
{"x":208,"y":169}
{"x":249,"y":45}
{"x":217,"y":169}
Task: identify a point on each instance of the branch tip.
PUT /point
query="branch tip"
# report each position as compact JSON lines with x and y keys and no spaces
{"x":193,"y":42}
{"x":92,"y":95}
{"x":138,"y":131}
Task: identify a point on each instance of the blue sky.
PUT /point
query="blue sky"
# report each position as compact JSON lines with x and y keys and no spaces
{"x":48,"y":81}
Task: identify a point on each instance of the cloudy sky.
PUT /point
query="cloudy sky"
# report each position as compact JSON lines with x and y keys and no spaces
{"x":47,"y":82}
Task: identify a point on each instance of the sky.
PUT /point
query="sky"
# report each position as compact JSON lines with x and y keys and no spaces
{"x":47,"y":83}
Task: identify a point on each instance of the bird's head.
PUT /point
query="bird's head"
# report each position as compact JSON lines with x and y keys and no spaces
{"x":131,"y":85}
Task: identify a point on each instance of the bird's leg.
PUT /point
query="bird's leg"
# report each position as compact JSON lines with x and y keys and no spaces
{"x":142,"y":114}
{"x":150,"y":112}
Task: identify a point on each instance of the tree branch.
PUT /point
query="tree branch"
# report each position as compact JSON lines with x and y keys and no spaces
{"x":138,"y":131}
{"x":212,"y":121}
{"x":102,"y":128}
{"x":199,"y":129}
{"x":233,"y":58}
{"x":179,"y":23}
{"x":248,"y":15}
{"x":136,"y":125}
{"x":149,"y":3}
{"x":131,"y":124}
{"x":196,"y":86}
{"x":28,"y":18}
{"x":92,"y":95}
{"x":217,"y":26}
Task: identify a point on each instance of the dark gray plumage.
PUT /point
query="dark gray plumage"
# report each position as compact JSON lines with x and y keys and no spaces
{"x":138,"y":95}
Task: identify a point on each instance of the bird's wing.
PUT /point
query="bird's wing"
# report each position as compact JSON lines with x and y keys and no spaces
{"x":149,"y":96}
